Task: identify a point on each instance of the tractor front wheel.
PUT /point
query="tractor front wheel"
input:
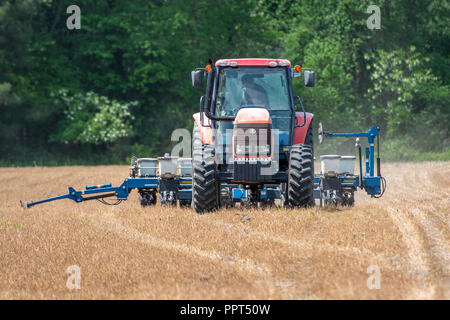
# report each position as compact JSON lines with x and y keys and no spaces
{"x":204,"y":182}
{"x":301,"y":176}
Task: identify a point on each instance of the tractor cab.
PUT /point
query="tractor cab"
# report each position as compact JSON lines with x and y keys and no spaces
{"x":254,"y":88}
{"x":237,"y":84}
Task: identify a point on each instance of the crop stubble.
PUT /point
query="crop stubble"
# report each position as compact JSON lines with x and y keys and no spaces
{"x":129,"y":252}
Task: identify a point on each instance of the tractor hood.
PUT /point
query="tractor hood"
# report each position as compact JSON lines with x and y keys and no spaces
{"x":252,"y":115}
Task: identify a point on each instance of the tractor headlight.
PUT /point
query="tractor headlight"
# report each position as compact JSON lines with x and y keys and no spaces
{"x":252,"y":150}
{"x":242,"y":149}
{"x":263,"y":149}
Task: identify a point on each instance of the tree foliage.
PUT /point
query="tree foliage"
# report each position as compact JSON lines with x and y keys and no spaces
{"x":121,"y":84}
{"x":90,"y":118}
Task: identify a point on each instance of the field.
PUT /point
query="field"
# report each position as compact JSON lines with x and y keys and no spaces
{"x":126,"y":252}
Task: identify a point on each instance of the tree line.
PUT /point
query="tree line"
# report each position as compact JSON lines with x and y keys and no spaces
{"x":120,"y":84}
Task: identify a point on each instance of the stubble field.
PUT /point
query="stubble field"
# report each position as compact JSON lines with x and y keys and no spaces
{"x":129,"y":252}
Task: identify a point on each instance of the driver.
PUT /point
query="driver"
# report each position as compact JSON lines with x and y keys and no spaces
{"x":253,"y":94}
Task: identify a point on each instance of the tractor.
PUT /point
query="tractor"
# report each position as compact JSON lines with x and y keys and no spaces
{"x":249,"y":133}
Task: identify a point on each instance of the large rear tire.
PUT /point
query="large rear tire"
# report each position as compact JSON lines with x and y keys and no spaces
{"x":301,"y":176}
{"x":204,"y":182}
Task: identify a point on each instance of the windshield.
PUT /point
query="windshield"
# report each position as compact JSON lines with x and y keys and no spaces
{"x":252,"y":87}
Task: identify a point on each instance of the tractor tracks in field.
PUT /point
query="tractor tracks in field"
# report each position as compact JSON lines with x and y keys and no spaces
{"x":111,"y":224}
{"x":422,"y":224}
{"x":351,"y":252}
{"x":419,"y":261}
{"x":428,"y":248}
{"x":425,"y":232}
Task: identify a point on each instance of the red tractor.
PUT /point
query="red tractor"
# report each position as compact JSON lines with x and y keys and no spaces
{"x":249,"y":142}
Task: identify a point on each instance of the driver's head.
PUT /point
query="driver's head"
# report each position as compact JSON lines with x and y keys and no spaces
{"x":248,"y":81}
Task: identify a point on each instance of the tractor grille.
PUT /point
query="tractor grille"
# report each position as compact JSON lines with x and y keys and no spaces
{"x":252,"y":140}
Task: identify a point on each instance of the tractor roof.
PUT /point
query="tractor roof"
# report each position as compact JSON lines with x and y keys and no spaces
{"x":253,"y":62}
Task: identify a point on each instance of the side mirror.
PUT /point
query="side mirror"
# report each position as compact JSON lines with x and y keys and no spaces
{"x":309,"y":78}
{"x":197,"y":78}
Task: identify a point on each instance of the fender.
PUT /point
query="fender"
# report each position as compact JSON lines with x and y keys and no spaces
{"x":205,"y":132}
{"x":300,"y":132}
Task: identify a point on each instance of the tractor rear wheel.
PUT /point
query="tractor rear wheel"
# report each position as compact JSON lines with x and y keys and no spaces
{"x":301,"y":176}
{"x":204,"y":182}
